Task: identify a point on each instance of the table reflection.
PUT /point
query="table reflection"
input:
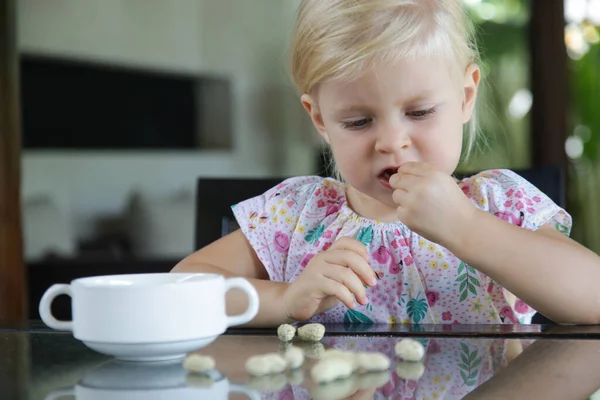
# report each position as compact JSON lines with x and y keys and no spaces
{"x":453,"y":368}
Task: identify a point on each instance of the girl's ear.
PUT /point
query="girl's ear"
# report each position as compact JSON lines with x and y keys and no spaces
{"x":312,"y":109}
{"x":471,"y":84}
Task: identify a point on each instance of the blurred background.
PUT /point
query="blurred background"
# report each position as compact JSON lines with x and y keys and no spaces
{"x":125,"y":103}
{"x":507,"y":98}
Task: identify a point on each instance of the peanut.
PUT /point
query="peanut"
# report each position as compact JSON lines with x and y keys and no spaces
{"x":286,"y":332}
{"x":347,"y":356}
{"x":311,"y":332}
{"x":198,"y":363}
{"x":338,"y":389}
{"x":266,"y":364}
{"x":410,"y":350}
{"x":294,"y":357}
{"x":331,"y":369}
{"x":313,"y":350}
{"x":410,"y":370}
{"x":372,"y":362}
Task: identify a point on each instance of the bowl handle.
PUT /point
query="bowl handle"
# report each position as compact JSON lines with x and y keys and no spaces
{"x":46,"y":304}
{"x":253,"y":301}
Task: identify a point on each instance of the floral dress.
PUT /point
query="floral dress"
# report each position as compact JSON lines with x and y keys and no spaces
{"x":420,"y":281}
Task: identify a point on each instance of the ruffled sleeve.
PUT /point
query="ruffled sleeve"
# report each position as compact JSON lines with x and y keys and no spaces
{"x":268,"y":221}
{"x":513,"y":199}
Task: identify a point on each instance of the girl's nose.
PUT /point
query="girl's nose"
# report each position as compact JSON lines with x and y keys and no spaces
{"x":391,"y":139}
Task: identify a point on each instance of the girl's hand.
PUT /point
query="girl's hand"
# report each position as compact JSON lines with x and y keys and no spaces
{"x":338,"y":274}
{"x":431,"y":203}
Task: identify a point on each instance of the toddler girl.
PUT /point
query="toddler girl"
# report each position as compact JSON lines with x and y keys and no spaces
{"x":391,"y":86}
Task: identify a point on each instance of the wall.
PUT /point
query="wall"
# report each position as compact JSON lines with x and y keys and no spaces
{"x":244,"y":41}
{"x":148,"y":33}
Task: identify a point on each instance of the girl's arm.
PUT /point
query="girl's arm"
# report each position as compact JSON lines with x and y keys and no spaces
{"x":548,"y":369}
{"x":232,"y":256}
{"x":550,"y":272}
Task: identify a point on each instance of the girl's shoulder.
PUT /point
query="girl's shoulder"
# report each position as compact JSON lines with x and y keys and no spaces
{"x":285,"y":222}
{"x":511,"y":197}
{"x":500,"y":183}
{"x":496,"y":177}
{"x":302,"y":189}
{"x":306,"y":197}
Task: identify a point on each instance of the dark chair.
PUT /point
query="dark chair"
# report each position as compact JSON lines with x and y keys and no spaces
{"x":215,"y":197}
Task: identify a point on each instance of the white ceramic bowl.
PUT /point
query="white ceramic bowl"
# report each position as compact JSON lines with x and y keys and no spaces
{"x":148,"y":317}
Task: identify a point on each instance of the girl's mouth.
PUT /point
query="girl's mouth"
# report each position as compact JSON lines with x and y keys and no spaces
{"x":387,"y":173}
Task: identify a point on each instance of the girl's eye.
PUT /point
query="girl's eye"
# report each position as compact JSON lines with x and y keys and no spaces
{"x":421,"y":114}
{"x":357,"y":124}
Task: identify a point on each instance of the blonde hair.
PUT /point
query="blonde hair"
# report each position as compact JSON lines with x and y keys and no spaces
{"x":340,"y":39}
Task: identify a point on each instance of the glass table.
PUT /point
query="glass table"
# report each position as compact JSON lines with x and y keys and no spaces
{"x":462,"y":361}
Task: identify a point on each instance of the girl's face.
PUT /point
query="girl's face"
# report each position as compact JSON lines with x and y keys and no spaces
{"x":407,"y":111}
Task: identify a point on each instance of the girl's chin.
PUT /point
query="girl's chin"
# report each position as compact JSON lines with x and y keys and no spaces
{"x":376,"y":206}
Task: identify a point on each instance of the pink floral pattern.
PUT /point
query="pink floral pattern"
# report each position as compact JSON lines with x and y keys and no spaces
{"x":420,"y":281}
{"x":281,"y":242}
